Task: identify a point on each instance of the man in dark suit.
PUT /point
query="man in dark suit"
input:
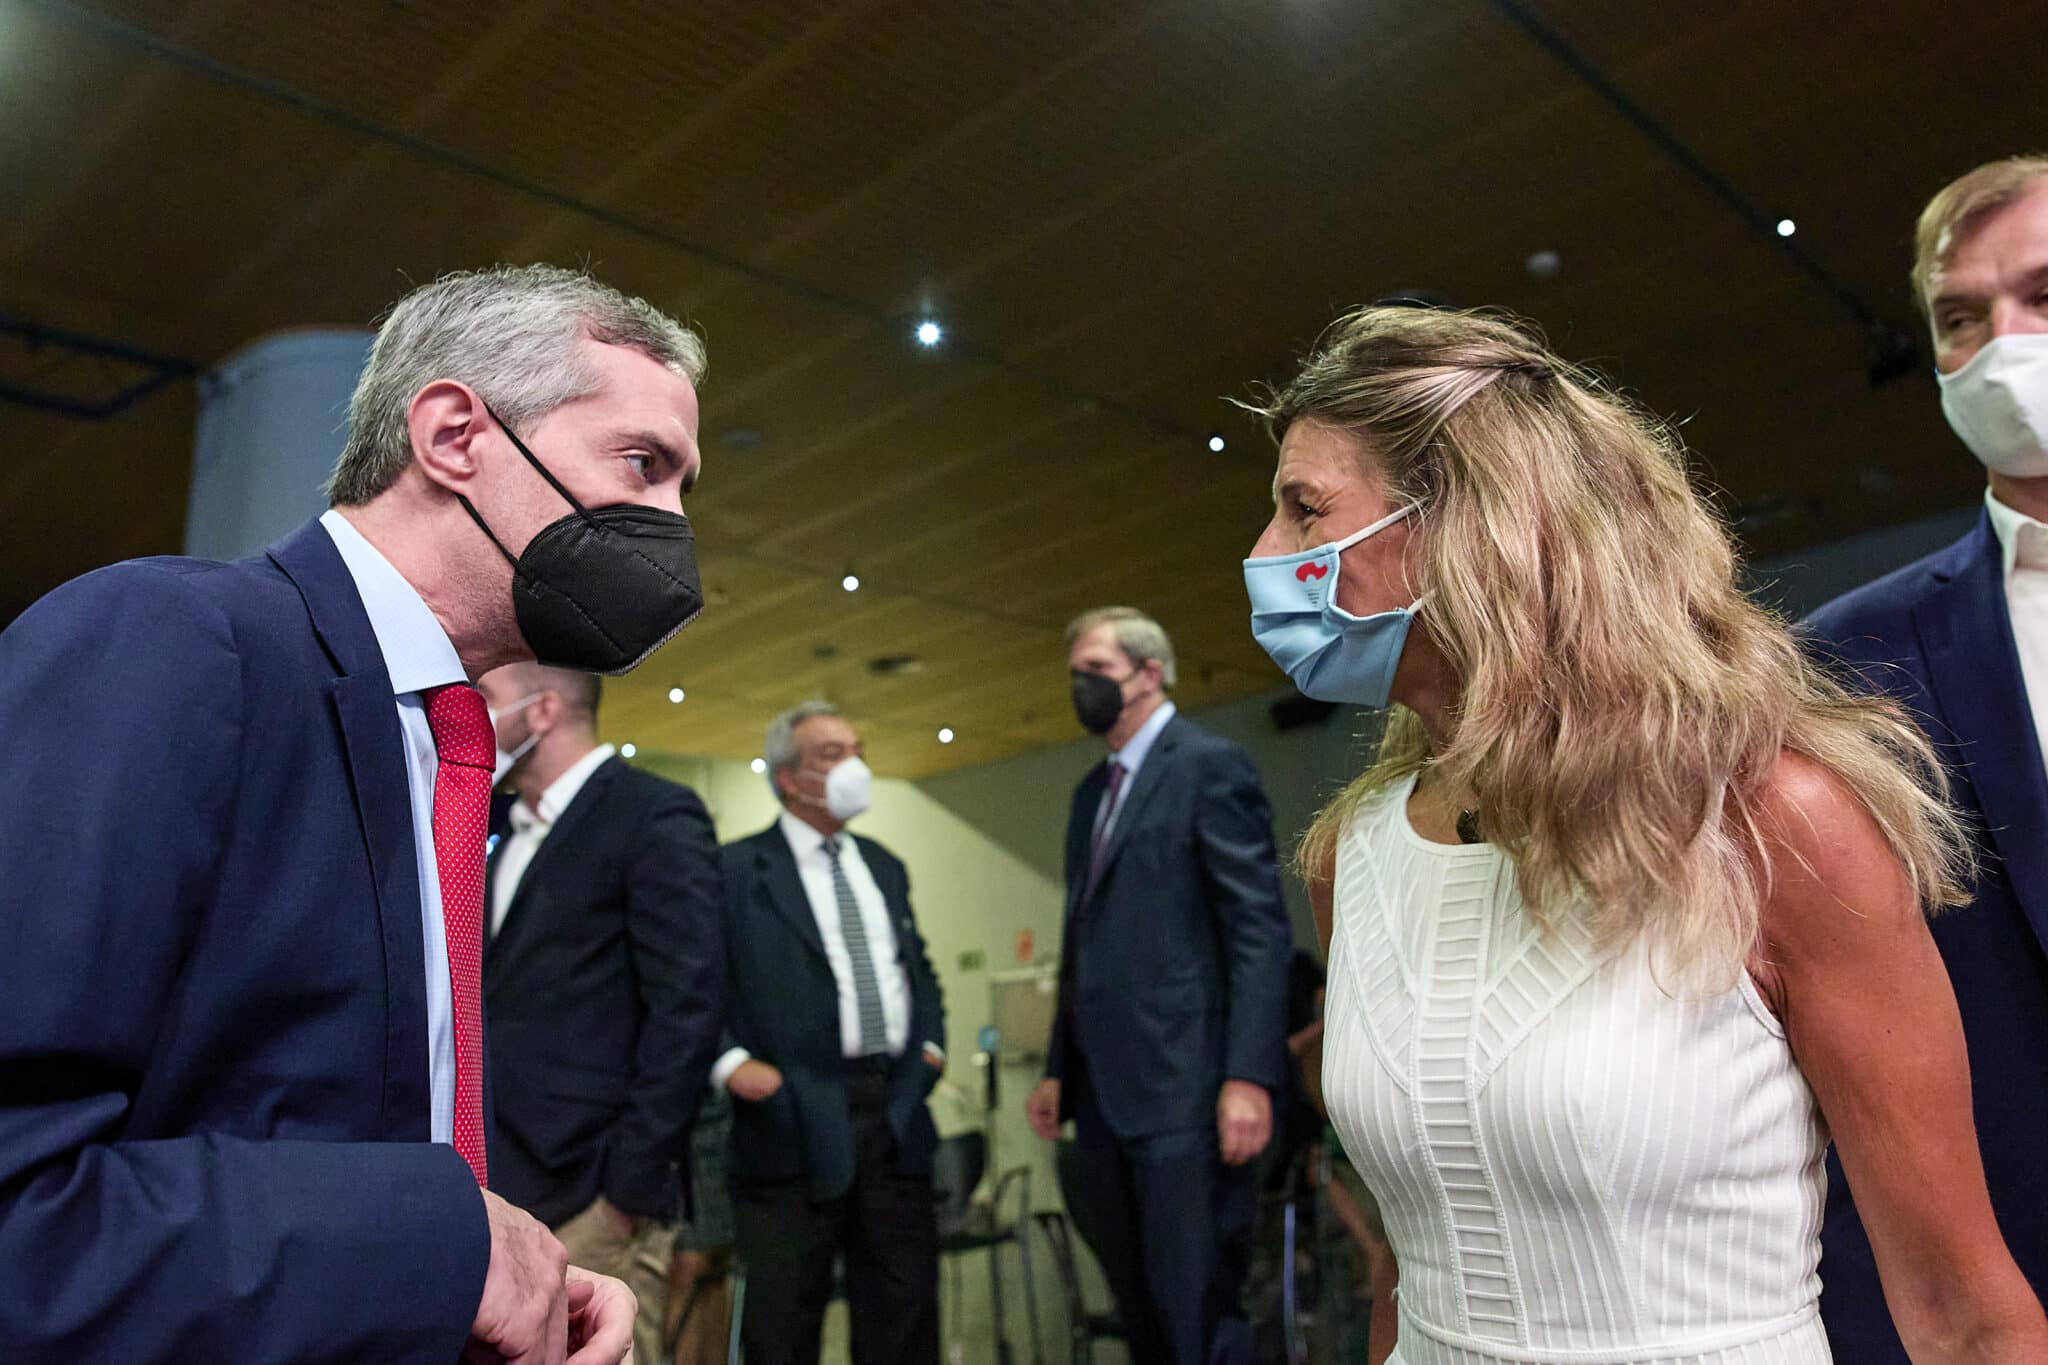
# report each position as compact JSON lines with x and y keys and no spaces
{"x":604,"y":984}
{"x":837,"y":1037}
{"x":1961,"y":638}
{"x":240,"y":918}
{"x":1169,"y":1039}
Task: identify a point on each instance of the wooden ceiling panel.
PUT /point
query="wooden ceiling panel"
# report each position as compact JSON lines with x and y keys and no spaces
{"x":1122,"y":213}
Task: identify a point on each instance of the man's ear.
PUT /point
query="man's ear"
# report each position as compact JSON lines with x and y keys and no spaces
{"x":544,"y":712}
{"x":445,"y":420}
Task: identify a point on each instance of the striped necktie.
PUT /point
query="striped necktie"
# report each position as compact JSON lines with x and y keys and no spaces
{"x":867,"y":993}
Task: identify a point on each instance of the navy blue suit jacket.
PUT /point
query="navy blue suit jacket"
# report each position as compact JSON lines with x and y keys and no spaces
{"x":785,"y":1011}
{"x":1173,"y":969}
{"x":1937,"y":635}
{"x":213,"y":1029}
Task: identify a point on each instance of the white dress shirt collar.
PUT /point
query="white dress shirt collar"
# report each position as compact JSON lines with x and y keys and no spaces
{"x":804,"y":840}
{"x":560,"y":792}
{"x":417,"y":652}
{"x":2020,"y":537}
{"x":1132,"y":756}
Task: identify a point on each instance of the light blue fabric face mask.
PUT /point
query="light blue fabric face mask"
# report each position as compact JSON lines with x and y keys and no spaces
{"x":1330,"y":654}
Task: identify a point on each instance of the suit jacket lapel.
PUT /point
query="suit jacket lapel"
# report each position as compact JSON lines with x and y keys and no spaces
{"x":1973,"y":667}
{"x":1148,"y":780}
{"x":785,"y":889}
{"x":367,"y":714}
{"x":561,"y":834}
{"x":1081,"y":829}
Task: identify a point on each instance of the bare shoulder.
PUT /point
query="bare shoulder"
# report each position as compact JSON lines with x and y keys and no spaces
{"x":1833,"y":877}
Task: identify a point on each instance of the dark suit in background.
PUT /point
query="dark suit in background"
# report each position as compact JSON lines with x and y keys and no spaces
{"x":1173,"y":980}
{"x":605,"y":994}
{"x":214,"y":1101}
{"x":1938,"y":636}
{"x":838,"y":1160}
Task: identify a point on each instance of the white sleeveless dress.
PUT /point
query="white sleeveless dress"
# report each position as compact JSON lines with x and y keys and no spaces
{"x":1574,"y":1166}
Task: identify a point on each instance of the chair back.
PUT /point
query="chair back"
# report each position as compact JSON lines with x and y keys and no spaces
{"x":957,"y":1167}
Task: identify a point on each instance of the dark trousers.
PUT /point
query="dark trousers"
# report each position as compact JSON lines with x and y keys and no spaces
{"x":1175,"y":1229}
{"x":884,"y":1227}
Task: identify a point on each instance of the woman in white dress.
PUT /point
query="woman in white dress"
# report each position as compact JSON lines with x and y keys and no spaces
{"x":1627,"y":919}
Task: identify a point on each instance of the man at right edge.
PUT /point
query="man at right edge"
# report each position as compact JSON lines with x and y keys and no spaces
{"x":1961,"y":638}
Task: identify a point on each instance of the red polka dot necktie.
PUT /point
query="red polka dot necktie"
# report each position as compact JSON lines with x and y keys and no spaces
{"x":467,"y":749}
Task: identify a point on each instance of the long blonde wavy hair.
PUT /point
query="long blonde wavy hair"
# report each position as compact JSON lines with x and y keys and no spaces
{"x":1622,"y":703}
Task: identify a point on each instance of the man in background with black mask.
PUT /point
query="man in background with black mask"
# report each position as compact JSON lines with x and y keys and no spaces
{"x":838,"y":1035}
{"x":1961,"y":638}
{"x":241,"y":921}
{"x":604,"y":983}
{"x":1169,"y":1039}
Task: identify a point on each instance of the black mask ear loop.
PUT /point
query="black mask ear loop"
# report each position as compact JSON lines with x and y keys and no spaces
{"x":553,"y":482}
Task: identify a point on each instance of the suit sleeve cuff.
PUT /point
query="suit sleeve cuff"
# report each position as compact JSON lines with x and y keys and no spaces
{"x":722,"y":1069}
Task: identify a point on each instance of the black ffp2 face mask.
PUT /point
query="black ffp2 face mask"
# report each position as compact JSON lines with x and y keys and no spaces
{"x":1098,"y":700}
{"x":600,"y":589}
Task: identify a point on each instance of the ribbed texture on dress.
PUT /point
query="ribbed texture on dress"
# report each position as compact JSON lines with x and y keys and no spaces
{"x":1574,"y":1165}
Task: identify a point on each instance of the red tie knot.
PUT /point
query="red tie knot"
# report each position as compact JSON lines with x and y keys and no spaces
{"x":461,"y":723}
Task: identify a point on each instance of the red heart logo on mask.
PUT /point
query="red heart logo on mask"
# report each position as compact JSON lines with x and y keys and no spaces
{"x":1308,"y":571}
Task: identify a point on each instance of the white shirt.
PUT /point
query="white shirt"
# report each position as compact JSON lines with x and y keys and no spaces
{"x":418,"y":655}
{"x":814,"y":869}
{"x":530,"y":826}
{"x":1130,"y":758}
{"x":2024,"y":543}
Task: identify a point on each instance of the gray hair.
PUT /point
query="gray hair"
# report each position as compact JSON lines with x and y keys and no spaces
{"x":509,"y":332}
{"x":780,"y":747}
{"x":1141,"y":638}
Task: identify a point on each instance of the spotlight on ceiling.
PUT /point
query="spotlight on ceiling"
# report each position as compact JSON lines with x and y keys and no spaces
{"x":676,"y":694}
{"x":1216,"y":442}
{"x":759,"y":765}
{"x":851,"y":582}
{"x":945,"y":734}
{"x":628,"y":750}
{"x":929,"y":333}
{"x":1786,"y":227}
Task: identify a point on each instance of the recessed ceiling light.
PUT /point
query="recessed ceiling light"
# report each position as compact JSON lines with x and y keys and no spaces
{"x":1216,"y":442}
{"x":676,"y":694}
{"x":1786,"y":227}
{"x":759,"y":765}
{"x":945,"y":734}
{"x":628,"y":750}
{"x":929,"y":333}
{"x":1544,"y":264}
{"x":851,"y":582}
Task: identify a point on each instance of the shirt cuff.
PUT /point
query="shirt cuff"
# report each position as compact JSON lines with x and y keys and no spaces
{"x":722,"y":1069}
